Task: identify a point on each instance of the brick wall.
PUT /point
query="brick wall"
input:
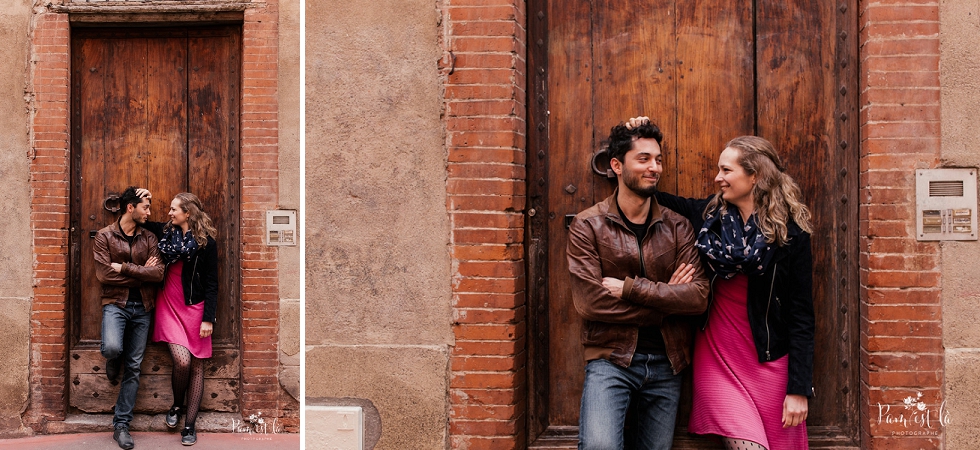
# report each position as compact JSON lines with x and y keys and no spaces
{"x":49,"y":217}
{"x":49,"y":154}
{"x":485,"y":120}
{"x":260,"y":182}
{"x":901,"y":336}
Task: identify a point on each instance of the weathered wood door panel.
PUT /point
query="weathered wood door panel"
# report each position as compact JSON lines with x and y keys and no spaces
{"x":705,"y":71}
{"x":153,"y":107}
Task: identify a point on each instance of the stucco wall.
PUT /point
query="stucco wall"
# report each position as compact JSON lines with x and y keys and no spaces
{"x":289,"y":171}
{"x":960,"y":79}
{"x":377,"y":264}
{"x":15,"y":234}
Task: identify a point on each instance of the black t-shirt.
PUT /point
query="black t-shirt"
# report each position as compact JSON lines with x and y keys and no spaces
{"x":134,"y":293}
{"x":650,"y":341}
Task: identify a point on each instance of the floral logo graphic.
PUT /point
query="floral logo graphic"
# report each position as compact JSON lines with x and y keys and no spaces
{"x":255,"y":424}
{"x":915,"y":419}
{"x":915,"y":402}
{"x":258,"y":422}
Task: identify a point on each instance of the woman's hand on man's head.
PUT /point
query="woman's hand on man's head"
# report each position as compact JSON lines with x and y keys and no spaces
{"x":636,"y":122}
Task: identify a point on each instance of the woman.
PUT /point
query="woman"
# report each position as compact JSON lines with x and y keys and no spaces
{"x":753,"y":359}
{"x":186,"y":305}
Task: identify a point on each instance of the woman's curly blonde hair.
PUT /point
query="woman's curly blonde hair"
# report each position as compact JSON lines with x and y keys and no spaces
{"x":198,"y":221}
{"x":777,"y":196}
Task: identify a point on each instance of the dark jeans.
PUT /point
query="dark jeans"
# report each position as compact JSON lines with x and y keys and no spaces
{"x":124,"y":334}
{"x":650,"y":382}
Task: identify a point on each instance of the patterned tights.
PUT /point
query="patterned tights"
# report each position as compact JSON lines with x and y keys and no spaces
{"x":739,"y":444}
{"x":188,"y":370}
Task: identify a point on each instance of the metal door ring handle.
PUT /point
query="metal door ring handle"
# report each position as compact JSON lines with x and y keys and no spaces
{"x":109,"y":200}
{"x":608,"y":173}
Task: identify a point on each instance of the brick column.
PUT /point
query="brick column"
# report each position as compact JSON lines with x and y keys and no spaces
{"x":48,"y":87}
{"x":901,"y":336}
{"x":260,"y":192}
{"x":486,"y":138}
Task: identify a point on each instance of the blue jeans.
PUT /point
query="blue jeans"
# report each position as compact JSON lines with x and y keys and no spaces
{"x":124,"y":334}
{"x":608,"y":391}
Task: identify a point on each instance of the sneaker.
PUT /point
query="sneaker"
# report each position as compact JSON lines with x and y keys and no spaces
{"x":172,"y":417}
{"x":122,"y":437}
{"x":112,"y":368}
{"x":188,"y":436}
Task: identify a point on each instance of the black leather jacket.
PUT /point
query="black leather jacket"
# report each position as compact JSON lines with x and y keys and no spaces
{"x":199,"y":276}
{"x":780,"y":300}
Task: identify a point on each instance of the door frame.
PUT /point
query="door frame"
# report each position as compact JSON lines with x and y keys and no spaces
{"x":845,"y":279}
{"x":223,"y":369}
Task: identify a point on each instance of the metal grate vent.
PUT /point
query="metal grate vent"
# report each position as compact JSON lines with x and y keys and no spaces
{"x":946,"y":188}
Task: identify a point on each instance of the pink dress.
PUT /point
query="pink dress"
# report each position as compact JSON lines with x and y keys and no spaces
{"x":175,"y":321}
{"x":735,"y":395}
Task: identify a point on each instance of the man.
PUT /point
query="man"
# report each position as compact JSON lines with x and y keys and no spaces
{"x":635,"y":275}
{"x":127,"y":263}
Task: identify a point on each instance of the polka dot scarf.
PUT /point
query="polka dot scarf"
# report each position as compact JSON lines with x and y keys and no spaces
{"x":175,"y":244}
{"x":733,"y":247}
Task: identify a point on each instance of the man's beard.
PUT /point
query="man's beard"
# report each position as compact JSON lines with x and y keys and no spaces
{"x":632,"y":183}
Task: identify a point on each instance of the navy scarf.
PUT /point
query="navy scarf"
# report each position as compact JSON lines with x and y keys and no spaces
{"x":738,"y":248}
{"x":175,"y":244}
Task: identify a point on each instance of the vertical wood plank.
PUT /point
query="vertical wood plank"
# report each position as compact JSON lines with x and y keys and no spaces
{"x":536,"y":225}
{"x":126,"y":115}
{"x":166,"y":105}
{"x":634,"y":74}
{"x":572,"y":143}
{"x":715,"y":97}
{"x":212,"y":161}
{"x":797,"y":99}
{"x":89,"y":127}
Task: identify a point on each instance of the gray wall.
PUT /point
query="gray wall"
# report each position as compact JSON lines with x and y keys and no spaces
{"x":289,"y":171}
{"x":15,"y":207}
{"x":377,"y":232}
{"x":960,"y":89}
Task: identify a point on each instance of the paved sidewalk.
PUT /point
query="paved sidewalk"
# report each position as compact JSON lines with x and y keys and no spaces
{"x":156,"y":440}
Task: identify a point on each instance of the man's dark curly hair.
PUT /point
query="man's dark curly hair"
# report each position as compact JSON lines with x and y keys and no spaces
{"x":129,"y":197}
{"x":621,"y":138}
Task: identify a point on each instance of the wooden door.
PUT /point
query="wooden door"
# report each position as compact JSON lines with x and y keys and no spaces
{"x":155,"y":108}
{"x":705,"y":71}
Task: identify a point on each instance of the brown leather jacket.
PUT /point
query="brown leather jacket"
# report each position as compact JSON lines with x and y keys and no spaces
{"x":600,"y":245}
{"x":111,"y":246}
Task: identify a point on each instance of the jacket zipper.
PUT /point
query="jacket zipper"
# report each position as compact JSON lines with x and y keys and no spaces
{"x":711,"y":299}
{"x":711,"y":291}
{"x":131,"y":259}
{"x":190,"y":298}
{"x":775,"y":265}
{"x":639,"y":249}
